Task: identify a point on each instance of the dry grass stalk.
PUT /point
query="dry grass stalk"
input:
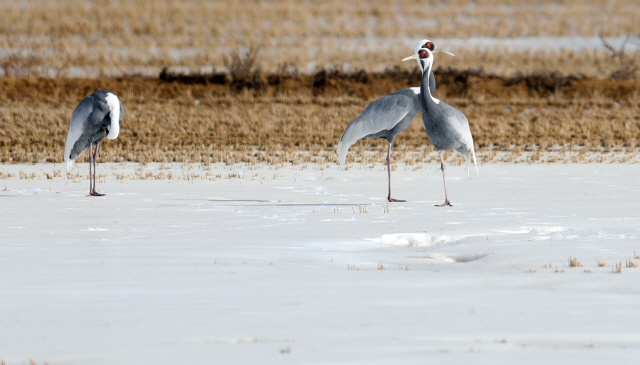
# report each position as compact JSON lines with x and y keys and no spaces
{"x":244,"y":70}
{"x":627,"y":65}
{"x":617,"y":268}
{"x":630,"y":263}
{"x":573,"y":262}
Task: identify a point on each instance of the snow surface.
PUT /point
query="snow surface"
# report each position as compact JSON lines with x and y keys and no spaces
{"x":308,"y":264}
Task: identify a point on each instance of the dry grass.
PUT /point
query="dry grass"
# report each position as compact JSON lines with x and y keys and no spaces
{"x":627,"y":65}
{"x":573,"y":262}
{"x":83,"y":38}
{"x":294,"y":122}
{"x":629,"y":263}
{"x":617,"y":268}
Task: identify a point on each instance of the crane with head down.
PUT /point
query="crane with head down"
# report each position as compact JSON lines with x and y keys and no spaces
{"x":386,"y":117}
{"x":97,"y":116}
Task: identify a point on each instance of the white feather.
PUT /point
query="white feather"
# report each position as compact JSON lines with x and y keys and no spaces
{"x":69,"y":163}
{"x":417,"y":47}
{"x":428,"y":71}
{"x":114,"y":115}
{"x":416,"y":90}
{"x":72,"y":137}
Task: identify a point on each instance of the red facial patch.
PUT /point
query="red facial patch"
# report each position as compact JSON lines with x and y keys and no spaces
{"x":423,"y":53}
{"x":428,"y":45}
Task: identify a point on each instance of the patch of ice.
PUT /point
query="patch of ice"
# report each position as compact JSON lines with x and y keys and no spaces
{"x":542,"y":238}
{"x":415,"y":239}
{"x":512,"y":232}
{"x":546,"y":229}
{"x":560,"y":236}
{"x":92,"y":229}
{"x":454,"y":258}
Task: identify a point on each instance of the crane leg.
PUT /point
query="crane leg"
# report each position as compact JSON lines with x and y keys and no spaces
{"x":95,"y":158}
{"x":389,"y":198}
{"x":90,"y":175}
{"x":446,"y":198}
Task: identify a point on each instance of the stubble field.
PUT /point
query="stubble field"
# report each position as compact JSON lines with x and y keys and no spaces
{"x":296,"y":122}
{"x":91,"y":39}
{"x":282,"y":80}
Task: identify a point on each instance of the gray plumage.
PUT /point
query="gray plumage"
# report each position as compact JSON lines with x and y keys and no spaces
{"x":384,"y":118}
{"x":388,"y":116}
{"x":96,"y":117}
{"x":90,"y":123}
{"x":446,"y":126}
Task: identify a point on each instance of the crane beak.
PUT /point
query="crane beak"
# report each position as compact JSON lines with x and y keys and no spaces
{"x":412,"y":57}
{"x":436,"y":49}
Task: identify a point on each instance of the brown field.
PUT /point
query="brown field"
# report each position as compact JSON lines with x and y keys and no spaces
{"x":79,"y":38}
{"x":315,"y":68}
{"x":288,"y":119}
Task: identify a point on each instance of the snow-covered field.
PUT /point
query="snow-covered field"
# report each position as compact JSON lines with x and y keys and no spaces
{"x":309,"y":264}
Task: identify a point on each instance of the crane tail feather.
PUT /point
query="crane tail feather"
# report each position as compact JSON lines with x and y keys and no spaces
{"x":342,"y":150}
{"x":468,"y":158}
{"x":475,"y":161}
{"x":69,"y":162}
{"x":351,"y":135}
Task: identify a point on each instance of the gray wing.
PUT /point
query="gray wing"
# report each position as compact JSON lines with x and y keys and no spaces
{"x":88,"y":125}
{"x":452,"y":131}
{"x":384,"y":118}
{"x":464,"y":142}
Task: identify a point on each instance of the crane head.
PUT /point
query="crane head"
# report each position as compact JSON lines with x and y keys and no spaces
{"x":424,"y":56}
{"x":425,"y":43}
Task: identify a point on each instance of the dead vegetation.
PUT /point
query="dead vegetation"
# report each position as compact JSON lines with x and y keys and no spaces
{"x":626,"y":66}
{"x":584,"y":120}
{"x":573,"y":262}
{"x":617,"y":268}
{"x":244,"y":70}
{"x":83,"y":39}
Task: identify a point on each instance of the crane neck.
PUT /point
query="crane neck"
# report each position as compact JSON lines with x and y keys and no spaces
{"x":427,"y":100}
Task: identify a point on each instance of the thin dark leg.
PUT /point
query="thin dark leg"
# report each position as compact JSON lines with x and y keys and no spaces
{"x":95,"y":158}
{"x":389,"y":198}
{"x":446,"y":198}
{"x":90,"y":160}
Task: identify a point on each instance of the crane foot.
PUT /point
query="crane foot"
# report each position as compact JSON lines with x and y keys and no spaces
{"x":390,"y":199}
{"x":444,"y":204}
